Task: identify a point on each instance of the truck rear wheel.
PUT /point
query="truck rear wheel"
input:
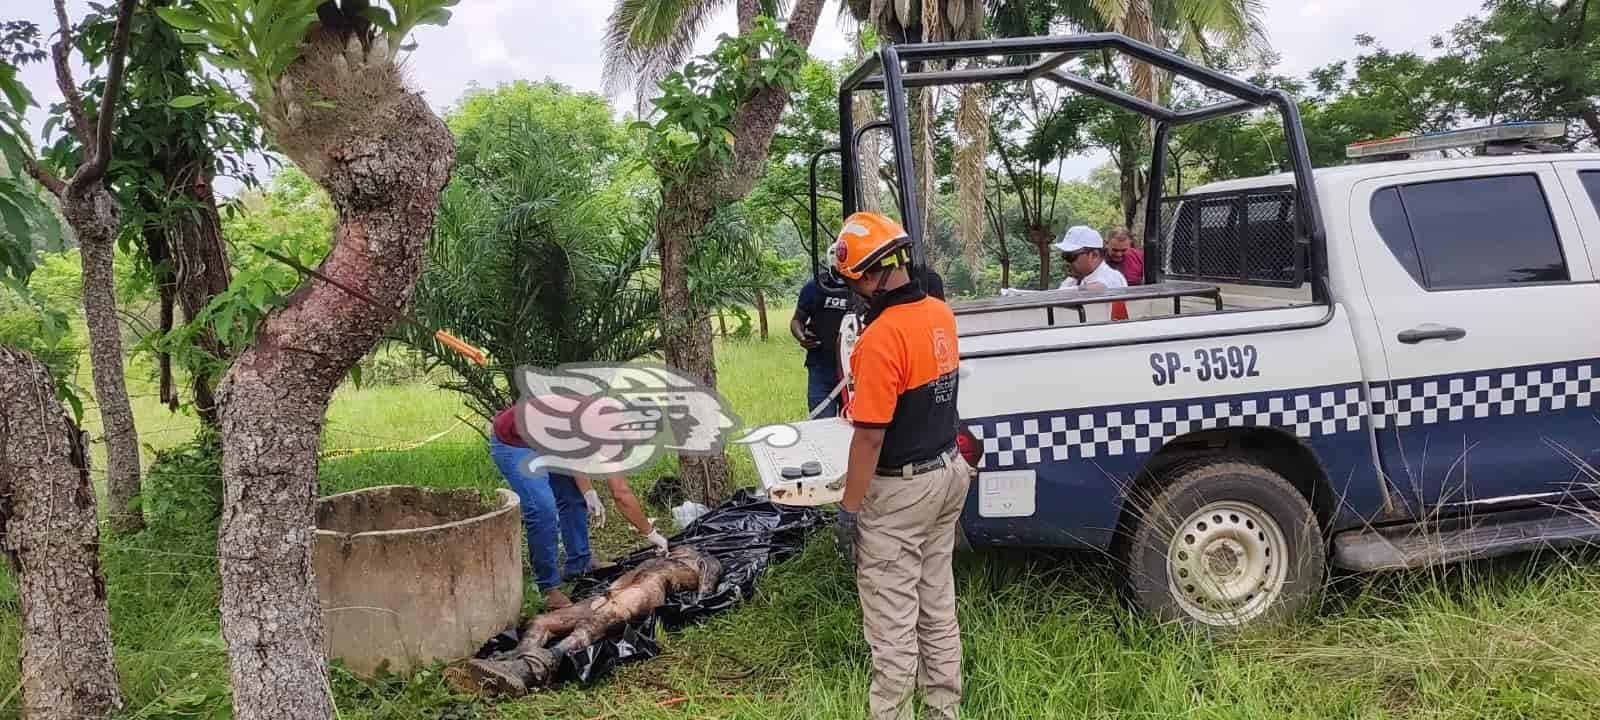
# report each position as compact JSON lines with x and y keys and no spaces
{"x":1226,"y":543}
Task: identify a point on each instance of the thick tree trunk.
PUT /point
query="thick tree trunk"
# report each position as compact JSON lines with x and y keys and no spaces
{"x":686,"y":329}
{"x":93,"y":216}
{"x":761,"y":311}
{"x":383,"y":157}
{"x":49,"y":533}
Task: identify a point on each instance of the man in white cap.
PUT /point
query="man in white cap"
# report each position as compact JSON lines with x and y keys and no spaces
{"x":1084,"y":252}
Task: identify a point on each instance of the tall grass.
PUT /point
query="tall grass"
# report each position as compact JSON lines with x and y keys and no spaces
{"x":1045,"y":634}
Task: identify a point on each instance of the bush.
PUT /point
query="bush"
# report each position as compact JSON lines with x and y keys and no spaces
{"x":183,"y":488}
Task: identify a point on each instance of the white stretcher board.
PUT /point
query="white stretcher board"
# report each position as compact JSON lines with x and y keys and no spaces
{"x":825,"y":441}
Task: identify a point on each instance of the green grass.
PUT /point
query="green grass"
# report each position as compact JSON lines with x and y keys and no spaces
{"x":1045,"y":633}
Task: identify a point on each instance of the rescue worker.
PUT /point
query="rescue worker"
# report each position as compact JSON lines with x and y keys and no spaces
{"x":905,"y":483}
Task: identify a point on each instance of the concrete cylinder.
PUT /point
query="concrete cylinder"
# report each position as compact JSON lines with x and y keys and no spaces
{"x":410,"y":576}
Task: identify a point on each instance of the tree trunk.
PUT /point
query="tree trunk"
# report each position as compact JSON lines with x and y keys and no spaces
{"x":49,"y":533}
{"x":168,"y":292}
{"x":93,"y":216}
{"x":1128,"y":179}
{"x":862,"y":112}
{"x":922,"y":112}
{"x":1039,"y":235}
{"x":383,"y":170}
{"x":686,"y":209}
{"x":1592,"y":119}
{"x":761,"y":311}
{"x":686,"y":329}
{"x":972,"y":129}
{"x":1005,"y":263}
{"x":200,"y":269}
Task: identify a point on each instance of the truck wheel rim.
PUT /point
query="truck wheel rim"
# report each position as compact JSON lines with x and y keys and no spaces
{"x":1227,"y":563}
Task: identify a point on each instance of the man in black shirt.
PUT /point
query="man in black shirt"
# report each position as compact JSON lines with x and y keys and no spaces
{"x":817,"y":316}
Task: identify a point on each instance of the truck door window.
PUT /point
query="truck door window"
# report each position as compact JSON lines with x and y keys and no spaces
{"x":1389,"y":216}
{"x":1472,"y":232}
{"x":1591,"y":184}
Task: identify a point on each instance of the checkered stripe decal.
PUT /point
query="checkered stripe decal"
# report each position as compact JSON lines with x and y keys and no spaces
{"x":1113,"y":431}
{"x":1494,"y":393}
{"x":1313,"y":412}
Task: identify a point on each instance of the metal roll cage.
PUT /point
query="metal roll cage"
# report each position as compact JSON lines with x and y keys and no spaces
{"x":884,"y":71}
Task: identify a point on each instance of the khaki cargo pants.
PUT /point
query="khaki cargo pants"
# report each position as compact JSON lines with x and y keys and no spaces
{"x":908,"y":591}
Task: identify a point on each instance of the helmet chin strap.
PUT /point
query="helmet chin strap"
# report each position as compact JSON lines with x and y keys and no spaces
{"x":876,"y":299}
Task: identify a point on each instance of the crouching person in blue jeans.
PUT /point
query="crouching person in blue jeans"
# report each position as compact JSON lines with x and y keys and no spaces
{"x":556,"y":509}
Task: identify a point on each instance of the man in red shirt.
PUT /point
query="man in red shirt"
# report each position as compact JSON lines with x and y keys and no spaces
{"x":553,"y":509}
{"x":1123,"y":256}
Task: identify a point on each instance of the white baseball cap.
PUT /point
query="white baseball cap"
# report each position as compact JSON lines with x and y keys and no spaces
{"x":1079,"y":237}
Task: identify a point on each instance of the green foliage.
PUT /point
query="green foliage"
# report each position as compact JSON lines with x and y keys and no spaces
{"x":262,"y":37}
{"x":28,"y":222}
{"x":182,"y":491}
{"x":699,"y":101}
{"x":36,"y":320}
{"x":293,"y":217}
{"x":810,"y":124}
{"x":542,"y":254}
{"x":482,"y":116}
{"x":1527,"y":60}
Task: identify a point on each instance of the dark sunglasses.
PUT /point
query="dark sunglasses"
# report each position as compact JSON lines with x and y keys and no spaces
{"x":1073,"y":256}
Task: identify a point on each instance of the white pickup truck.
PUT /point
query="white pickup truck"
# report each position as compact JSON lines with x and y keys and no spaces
{"x":1375,"y":366}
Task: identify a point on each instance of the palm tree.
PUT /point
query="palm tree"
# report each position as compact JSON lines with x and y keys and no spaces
{"x":913,"y":21}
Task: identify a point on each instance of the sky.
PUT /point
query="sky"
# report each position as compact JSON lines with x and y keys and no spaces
{"x":493,"y":41}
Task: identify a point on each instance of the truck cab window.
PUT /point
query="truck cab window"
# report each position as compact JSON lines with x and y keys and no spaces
{"x":1472,"y":232}
{"x":1591,"y":184}
{"x":1389,"y":216}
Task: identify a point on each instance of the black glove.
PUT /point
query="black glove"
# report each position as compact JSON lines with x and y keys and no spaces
{"x":846,"y":530}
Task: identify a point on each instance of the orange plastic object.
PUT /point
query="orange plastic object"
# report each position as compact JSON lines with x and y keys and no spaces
{"x":461,"y":347}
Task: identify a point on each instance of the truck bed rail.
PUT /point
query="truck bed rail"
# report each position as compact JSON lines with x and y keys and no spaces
{"x":1076,"y":300}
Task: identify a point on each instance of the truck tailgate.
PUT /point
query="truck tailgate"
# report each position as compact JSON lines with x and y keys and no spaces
{"x":825,"y":441}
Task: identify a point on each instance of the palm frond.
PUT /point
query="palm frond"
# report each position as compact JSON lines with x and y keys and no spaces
{"x":646,"y":39}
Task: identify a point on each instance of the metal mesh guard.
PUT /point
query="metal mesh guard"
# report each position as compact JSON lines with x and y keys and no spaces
{"x":1245,"y":236}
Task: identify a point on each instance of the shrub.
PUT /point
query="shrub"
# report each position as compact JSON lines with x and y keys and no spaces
{"x":183,"y":488}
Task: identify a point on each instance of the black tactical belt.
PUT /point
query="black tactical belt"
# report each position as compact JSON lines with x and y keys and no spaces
{"x":917,"y":468}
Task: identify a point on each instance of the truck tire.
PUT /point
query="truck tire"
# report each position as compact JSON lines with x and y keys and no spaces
{"x":1224,"y":544}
